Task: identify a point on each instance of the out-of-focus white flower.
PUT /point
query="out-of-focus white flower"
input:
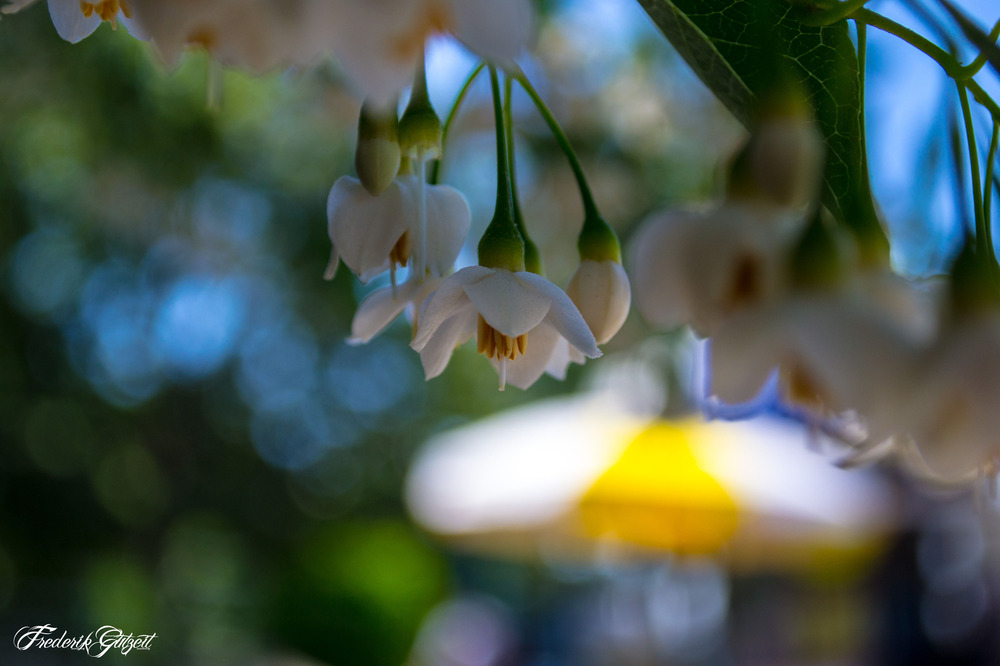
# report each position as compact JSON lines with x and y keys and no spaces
{"x":382,"y":40}
{"x":835,"y":352}
{"x":76,"y":19}
{"x":372,"y":234}
{"x":786,"y":157}
{"x":951,"y":408}
{"x":382,"y":306}
{"x":254,"y":34}
{"x":518,"y":319}
{"x":697,"y":267}
{"x":601,"y":290}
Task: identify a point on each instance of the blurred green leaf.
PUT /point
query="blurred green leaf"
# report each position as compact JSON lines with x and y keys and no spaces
{"x":738,"y":47}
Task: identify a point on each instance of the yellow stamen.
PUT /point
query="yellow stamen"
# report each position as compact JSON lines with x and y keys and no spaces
{"x":495,"y":345}
{"x":401,"y":251}
{"x":107,"y":10}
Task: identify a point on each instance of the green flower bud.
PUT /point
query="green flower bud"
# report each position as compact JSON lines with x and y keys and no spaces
{"x":420,"y":128}
{"x":377,"y":155}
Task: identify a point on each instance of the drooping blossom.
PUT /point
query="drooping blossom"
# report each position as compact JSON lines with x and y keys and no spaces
{"x":518,"y":319}
{"x":372,"y":234}
{"x":383,"y":40}
{"x":697,"y":267}
{"x":75,"y":20}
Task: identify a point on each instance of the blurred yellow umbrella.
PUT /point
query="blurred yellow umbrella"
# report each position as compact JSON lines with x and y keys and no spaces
{"x":572,"y":478}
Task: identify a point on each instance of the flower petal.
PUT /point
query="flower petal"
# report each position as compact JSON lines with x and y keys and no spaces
{"x":448,"y":221}
{"x":364,"y":228}
{"x":378,"y":46}
{"x":454,"y":331}
{"x":662,"y":290}
{"x":563,"y":314}
{"x":449,"y":298}
{"x":70,"y":23}
{"x":496,"y":31}
{"x":379,"y":308}
{"x":508,"y":304}
{"x":14,"y":6}
{"x":543,"y":341}
{"x":744,"y":353}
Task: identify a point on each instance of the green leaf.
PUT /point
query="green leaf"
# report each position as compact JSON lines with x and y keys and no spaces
{"x":737,"y":48}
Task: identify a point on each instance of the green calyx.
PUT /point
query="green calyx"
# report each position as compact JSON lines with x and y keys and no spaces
{"x":420,"y":129}
{"x":824,"y":256}
{"x":377,"y":154}
{"x":501,"y":245}
{"x":973,"y":288}
{"x":597,"y":240}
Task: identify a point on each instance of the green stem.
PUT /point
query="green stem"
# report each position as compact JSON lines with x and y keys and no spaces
{"x":982,"y":235}
{"x":501,"y":245}
{"x":988,"y":194}
{"x":589,"y":206}
{"x":532,"y":258}
{"x":462,"y":92}
{"x":862,"y":78}
{"x":947,"y":62}
{"x":839,"y":11}
{"x":968,"y":71}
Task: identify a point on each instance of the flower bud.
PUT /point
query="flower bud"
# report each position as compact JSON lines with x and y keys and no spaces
{"x":782,"y":162}
{"x":420,"y":128}
{"x":377,"y":155}
{"x":601,"y":290}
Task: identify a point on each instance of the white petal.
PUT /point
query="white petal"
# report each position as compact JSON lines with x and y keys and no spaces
{"x":332,"y":264}
{"x":15,"y":6}
{"x":496,"y":31}
{"x":449,"y":298}
{"x":744,"y":353}
{"x":364,"y":228}
{"x":560,"y":360}
{"x":662,"y":290}
{"x":70,"y":22}
{"x":563,"y":315}
{"x":378,"y":45}
{"x":509,"y":304}
{"x":448,"y":221}
{"x":455,"y":330}
{"x":600,"y":289}
{"x":379,"y":308}
{"x":525,"y":370}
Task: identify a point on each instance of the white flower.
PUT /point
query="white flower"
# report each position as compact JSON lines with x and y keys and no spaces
{"x":952,"y":411}
{"x":835,"y":352}
{"x":382,"y":306}
{"x":382,"y":40}
{"x":372,"y":234}
{"x":518,"y":320}
{"x":600,"y":289}
{"x":255,"y":34}
{"x":76,"y":19}
{"x":786,"y":160}
{"x":698,"y":267}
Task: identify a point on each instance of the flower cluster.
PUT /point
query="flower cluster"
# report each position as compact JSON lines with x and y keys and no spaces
{"x":391,"y":217}
{"x":778,"y":288}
